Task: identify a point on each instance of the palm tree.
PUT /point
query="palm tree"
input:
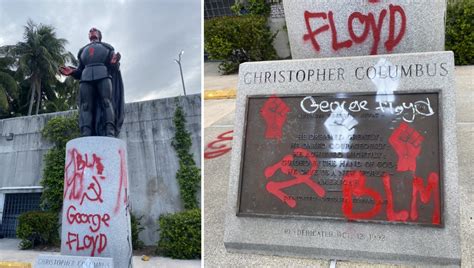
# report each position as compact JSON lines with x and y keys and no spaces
{"x":8,"y":85}
{"x":61,"y":96}
{"x":39,"y":56}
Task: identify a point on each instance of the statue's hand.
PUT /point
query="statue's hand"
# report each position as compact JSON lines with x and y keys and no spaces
{"x":115,"y":58}
{"x":66,"y":70}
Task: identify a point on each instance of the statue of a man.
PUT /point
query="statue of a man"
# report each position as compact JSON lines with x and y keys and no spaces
{"x":101,"y":102}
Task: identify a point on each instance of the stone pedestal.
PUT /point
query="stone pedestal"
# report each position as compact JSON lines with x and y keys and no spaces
{"x":96,"y":216}
{"x":320,"y":29}
{"x":290,"y":175}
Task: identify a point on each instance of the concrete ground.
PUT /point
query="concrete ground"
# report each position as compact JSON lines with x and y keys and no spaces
{"x":9,"y":252}
{"x":218,"y":119}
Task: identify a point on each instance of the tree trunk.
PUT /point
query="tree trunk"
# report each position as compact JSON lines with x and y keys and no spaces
{"x":32,"y":97}
{"x":38,"y":91}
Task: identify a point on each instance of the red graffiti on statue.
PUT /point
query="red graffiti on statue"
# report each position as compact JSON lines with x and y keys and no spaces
{"x":84,"y":174}
{"x":274,"y":112}
{"x":276,"y":187}
{"x":95,"y":221}
{"x":219,"y":146}
{"x":75,"y":180}
{"x":96,"y":242}
{"x":123,"y":186}
{"x":406,"y":142}
{"x":396,"y":16}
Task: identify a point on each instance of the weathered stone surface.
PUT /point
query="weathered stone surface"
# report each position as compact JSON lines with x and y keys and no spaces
{"x":96,"y":211}
{"x":60,"y":261}
{"x":347,"y":240}
{"x":356,"y":28}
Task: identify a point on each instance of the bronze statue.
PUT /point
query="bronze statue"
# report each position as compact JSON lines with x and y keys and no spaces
{"x":101,"y":101}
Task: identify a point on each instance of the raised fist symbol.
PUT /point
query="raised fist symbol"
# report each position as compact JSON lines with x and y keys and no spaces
{"x":274,"y":112}
{"x":276,"y":187}
{"x":341,"y":124}
{"x":406,"y":142}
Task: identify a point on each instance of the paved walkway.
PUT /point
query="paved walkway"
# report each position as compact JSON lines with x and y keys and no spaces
{"x":9,"y":252}
{"x":217,"y":86}
{"x":218,"y":122}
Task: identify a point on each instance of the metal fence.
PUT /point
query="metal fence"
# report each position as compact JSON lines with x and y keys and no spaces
{"x":16,"y":204}
{"x":217,"y":8}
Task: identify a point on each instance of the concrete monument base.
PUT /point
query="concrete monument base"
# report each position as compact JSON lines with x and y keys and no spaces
{"x":96,"y":216}
{"x":260,"y":219}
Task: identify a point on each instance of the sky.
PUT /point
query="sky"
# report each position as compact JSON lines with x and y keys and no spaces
{"x":149,"y":34}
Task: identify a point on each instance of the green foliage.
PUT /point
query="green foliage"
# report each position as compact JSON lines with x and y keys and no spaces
{"x":8,"y":86}
{"x":37,"y":228}
{"x":62,"y":96}
{"x":188,"y":175}
{"x":53,"y":182}
{"x":180,"y":235}
{"x":136,"y":229}
{"x":33,"y":64}
{"x":58,"y":130}
{"x":460,"y":31}
{"x":189,"y":178}
{"x":238,"y":39}
{"x":252,"y":7}
{"x":39,"y":57}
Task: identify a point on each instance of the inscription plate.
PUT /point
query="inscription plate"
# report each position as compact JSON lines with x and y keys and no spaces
{"x":60,"y":261}
{"x":361,"y":157}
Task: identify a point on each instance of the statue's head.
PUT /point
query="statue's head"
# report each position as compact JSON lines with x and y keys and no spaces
{"x":95,"y":35}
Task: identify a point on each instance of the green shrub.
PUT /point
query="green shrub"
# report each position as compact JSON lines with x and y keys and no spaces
{"x":238,"y":39}
{"x":460,"y":31}
{"x":253,"y":7}
{"x":188,"y":175}
{"x":38,"y":228}
{"x":58,"y":130}
{"x":180,"y":235}
{"x":136,"y":229}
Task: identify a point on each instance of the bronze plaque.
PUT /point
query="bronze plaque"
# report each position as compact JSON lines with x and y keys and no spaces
{"x":357,"y":157}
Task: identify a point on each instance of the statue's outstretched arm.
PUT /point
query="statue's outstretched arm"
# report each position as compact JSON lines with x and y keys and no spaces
{"x":72,"y":71}
{"x":115,"y":58}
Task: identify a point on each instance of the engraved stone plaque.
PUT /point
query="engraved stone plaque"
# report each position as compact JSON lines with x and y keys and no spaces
{"x":347,"y":159}
{"x":351,"y":156}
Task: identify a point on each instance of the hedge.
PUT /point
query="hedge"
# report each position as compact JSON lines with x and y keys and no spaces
{"x":238,"y":39}
{"x":460,"y":31}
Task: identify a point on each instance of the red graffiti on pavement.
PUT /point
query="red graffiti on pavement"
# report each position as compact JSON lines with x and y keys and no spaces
{"x":406,"y":142}
{"x":276,"y":187}
{"x":274,"y":112}
{"x":75,"y":180}
{"x":123,"y":184}
{"x":219,"y":146}
{"x":396,"y":16}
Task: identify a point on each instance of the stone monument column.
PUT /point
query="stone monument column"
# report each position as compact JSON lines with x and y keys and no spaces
{"x":96,"y":215}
